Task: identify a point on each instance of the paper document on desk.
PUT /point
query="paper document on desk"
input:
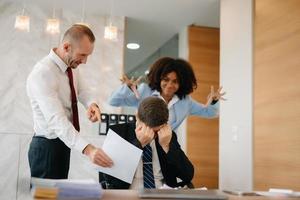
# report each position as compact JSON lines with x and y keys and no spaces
{"x":125,"y":156}
{"x":65,"y":189}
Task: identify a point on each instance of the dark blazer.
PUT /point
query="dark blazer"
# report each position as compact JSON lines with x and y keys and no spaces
{"x":173,"y":164}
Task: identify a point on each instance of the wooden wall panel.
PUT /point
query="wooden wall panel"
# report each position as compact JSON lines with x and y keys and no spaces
{"x":203,"y":134}
{"x":277,"y":94}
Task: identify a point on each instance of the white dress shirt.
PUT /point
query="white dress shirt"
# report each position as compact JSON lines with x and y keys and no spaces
{"x":175,"y":98}
{"x":138,"y":180}
{"x":49,"y":93}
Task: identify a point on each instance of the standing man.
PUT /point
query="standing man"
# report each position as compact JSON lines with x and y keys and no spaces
{"x":53,"y":87}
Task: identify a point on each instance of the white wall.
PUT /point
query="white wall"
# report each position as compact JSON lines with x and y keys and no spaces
{"x":235,"y":170}
{"x":19,"y":51}
{"x":183,"y":52}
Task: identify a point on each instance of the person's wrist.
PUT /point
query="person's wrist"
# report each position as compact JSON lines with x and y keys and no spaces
{"x":166,"y":148}
{"x":132,"y":87}
{"x":88,"y":149}
{"x":214,"y":101}
{"x":129,"y":85}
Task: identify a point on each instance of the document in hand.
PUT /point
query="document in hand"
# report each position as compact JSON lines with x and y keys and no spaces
{"x":125,"y":156}
{"x":66,"y":189}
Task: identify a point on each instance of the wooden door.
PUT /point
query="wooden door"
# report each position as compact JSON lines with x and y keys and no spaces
{"x":203,"y":134}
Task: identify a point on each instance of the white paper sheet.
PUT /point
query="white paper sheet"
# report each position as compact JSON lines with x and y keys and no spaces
{"x":125,"y":156}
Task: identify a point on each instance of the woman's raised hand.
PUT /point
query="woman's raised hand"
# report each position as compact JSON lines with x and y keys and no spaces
{"x":132,"y":84}
{"x":215,"y":95}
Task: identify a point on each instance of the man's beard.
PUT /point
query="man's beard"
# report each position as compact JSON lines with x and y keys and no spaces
{"x":71,"y":63}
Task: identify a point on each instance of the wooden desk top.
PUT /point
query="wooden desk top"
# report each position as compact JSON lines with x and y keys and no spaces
{"x":133,"y":195}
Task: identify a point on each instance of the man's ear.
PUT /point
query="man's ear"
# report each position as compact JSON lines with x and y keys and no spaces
{"x":67,"y":47}
{"x":137,"y":118}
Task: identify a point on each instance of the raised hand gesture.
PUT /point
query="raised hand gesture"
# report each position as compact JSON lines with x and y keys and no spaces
{"x":214,"y":96}
{"x":132,"y":84}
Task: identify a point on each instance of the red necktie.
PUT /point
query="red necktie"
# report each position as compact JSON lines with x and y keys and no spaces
{"x":74,"y":100}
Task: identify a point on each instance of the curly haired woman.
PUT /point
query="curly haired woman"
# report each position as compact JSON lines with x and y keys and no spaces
{"x":172,"y":80}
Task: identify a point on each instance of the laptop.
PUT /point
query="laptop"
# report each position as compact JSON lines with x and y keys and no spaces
{"x":182,"y":194}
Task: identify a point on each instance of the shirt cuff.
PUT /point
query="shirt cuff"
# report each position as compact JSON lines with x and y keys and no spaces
{"x":90,"y":103}
{"x":126,"y":90}
{"x":214,"y":102}
{"x":80,"y":144}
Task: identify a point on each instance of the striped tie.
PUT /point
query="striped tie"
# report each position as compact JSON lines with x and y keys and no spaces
{"x":147,"y":167}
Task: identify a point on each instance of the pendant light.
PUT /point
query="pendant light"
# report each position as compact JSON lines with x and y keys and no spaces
{"x":53,"y":24}
{"x":82,"y":21}
{"x":110,"y":31}
{"x":22,"y":21}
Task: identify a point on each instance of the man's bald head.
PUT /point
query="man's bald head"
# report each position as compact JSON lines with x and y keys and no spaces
{"x":76,"y":32}
{"x":77,"y":44}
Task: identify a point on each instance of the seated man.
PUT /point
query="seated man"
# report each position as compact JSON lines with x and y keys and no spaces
{"x":163,"y":161}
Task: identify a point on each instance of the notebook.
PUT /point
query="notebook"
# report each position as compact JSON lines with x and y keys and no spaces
{"x":182,"y":194}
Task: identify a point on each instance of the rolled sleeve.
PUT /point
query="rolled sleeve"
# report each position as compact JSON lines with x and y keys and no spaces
{"x":199,"y":109}
{"x":88,"y":96}
{"x":80,"y":144}
{"x":87,"y":93}
{"x":123,"y":96}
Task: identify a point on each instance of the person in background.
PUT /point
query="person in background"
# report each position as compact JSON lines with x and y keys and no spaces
{"x":171,"y":80}
{"x":53,"y":87}
{"x":163,"y":161}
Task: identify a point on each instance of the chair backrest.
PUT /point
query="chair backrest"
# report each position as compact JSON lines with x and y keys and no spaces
{"x":106,"y":121}
{"x":102,"y":181}
{"x":111,"y":119}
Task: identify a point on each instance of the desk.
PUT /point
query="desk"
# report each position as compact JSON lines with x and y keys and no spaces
{"x":133,"y":195}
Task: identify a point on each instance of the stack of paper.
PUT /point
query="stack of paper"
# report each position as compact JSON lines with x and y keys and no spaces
{"x":66,"y":189}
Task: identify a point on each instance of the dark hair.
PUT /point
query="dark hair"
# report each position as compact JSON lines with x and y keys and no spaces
{"x":77,"y":31}
{"x":183,"y":70}
{"x":153,"y":111}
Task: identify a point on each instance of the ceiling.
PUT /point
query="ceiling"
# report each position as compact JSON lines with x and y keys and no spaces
{"x":154,"y":22}
{"x":150,"y":22}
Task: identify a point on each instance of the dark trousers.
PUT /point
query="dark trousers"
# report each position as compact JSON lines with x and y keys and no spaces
{"x":48,"y":158}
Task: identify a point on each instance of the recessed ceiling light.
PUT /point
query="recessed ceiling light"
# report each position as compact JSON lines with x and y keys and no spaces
{"x":133,"y":46}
